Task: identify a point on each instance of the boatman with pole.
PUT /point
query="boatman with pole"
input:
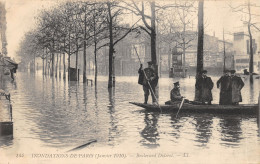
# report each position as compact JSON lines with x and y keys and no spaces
{"x":148,"y":79}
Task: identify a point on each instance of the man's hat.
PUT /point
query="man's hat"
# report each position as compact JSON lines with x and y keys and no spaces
{"x":233,"y":71}
{"x":150,"y":62}
{"x":204,"y":71}
{"x":176,"y":83}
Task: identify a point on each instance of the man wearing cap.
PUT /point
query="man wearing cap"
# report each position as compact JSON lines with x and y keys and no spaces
{"x":236,"y":84}
{"x":146,"y":77}
{"x":225,"y":88}
{"x":204,"y":85}
{"x":175,"y":93}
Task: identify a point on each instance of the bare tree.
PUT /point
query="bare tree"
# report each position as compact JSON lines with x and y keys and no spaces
{"x":246,"y":9}
{"x":116,"y":34}
{"x":176,"y":27}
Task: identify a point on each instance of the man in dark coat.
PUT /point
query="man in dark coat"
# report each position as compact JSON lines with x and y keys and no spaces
{"x":225,"y":89}
{"x":175,"y":93}
{"x":149,"y":79}
{"x":204,"y":84}
{"x":237,"y":84}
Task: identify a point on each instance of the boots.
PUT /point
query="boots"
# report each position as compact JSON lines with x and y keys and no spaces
{"x":145,"y":99}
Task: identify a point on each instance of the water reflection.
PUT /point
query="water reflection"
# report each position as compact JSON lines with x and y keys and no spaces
{"x":113,"y":130}
{"x":58,"y":113}
{"x":150,"y":132}
{"x":231,"y":132}
{"x":204,"y":128}
{"x":176,"y":125}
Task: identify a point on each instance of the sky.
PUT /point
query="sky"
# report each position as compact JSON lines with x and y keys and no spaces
{"x":21,"y":18}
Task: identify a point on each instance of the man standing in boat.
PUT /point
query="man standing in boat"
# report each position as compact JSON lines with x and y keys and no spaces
{"x":204,"y":84}
{"x":149,"y":79}
{"x":236,"y":84}
{"x":225,"y":89}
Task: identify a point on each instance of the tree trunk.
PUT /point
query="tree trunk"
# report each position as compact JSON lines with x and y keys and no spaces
{"x":46,"y":65}
{"x":69,"y":67}
{"x":153,"y":35}
{"x":60,"y":67}
{"x":184,"y":44}
{"x":52,"y":59}
{"x":64,"y":66}
{"x":251,"y":61}
{"x":69,"y":60}
{"x":224,"y":52}
{"x":169,"y":59}
{"x":95,"y":52}
{"x":77,"y":64}
{"x":95,"y":45}
{"x":200,"y":47}
{"x":111,"y":47}
{"x":56,"y":70}
{"x":84,"y":51}
{"x":64,"y":61}
{"x":43,"y":66}
{"x":200,"y":38}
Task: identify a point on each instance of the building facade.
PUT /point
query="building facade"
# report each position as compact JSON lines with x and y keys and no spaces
{"x":241,"y":48}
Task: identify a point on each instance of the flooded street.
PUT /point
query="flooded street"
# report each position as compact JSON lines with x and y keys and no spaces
{"x":51,"y":115}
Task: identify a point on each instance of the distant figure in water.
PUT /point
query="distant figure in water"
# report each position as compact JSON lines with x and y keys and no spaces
{"x":225,"y":89}
{"x":246,"y":72}
{"x":236,"y":84}
{"x":204,"y":86}
{"x":146,"y":77}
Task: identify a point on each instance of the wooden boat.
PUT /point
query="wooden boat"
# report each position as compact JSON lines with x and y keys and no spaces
{"x":244,"y":109}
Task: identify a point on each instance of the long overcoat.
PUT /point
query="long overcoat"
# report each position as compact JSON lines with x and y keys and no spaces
{"x":205,"y":85}
{"x":148,"y":73}
{"x":225,"y":90}
{"x":237,"y":84}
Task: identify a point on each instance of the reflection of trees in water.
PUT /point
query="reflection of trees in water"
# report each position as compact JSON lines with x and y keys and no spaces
{"x":230,"y":130}
{"x":203,"y":127}
{"x":113,"y":131}
{"x":150,"y":132}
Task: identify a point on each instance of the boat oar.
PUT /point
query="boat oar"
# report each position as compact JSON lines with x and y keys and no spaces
{"x":148,"y":81}
{"x":182,"y":101}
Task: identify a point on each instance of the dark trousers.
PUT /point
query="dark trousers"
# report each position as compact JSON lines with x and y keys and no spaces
{"x":147,"y":91}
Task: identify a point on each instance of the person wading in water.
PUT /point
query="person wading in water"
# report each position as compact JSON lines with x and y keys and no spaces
{"x":146,"y":76}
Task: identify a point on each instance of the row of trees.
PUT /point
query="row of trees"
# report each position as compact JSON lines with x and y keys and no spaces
{"x":73,"y":27}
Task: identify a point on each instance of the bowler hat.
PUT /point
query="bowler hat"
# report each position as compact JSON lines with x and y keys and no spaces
{"x":204,"y":71}
{"x":176,"y":83}
{"x":150,"y":62}
{"x":233,"y":71}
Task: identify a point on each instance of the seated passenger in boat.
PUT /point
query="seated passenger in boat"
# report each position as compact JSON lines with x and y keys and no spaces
{"x":175,"y":95}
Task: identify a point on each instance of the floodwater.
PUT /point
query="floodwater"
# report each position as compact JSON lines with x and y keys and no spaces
{"x":52,"y":115}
